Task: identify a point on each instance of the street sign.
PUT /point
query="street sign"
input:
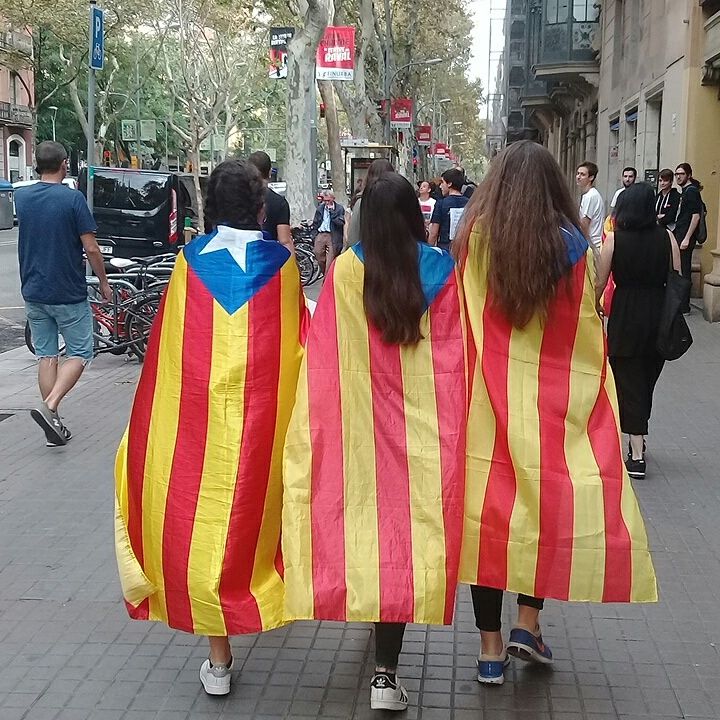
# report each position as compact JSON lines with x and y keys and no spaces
{"x":128,"y":130}
{"x":148,"y":130}
{"x":97,"y":38}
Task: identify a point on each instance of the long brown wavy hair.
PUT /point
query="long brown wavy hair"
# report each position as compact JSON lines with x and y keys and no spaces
{"x":519,"y":209}
{"x":391,"y":224}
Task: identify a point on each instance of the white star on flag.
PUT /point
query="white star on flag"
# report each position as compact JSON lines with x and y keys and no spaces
{"x":234,"y":241}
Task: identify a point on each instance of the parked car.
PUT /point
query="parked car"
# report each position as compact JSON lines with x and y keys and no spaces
{"x":140,"y":212}
{"x":69,"y":181}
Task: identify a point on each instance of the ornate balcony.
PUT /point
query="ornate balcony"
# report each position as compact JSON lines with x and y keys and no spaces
{"x":568,"y":33}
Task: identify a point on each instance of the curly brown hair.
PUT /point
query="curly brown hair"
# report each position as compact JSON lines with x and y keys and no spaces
{"x":519,"y":209}
{"x":235,"y":196}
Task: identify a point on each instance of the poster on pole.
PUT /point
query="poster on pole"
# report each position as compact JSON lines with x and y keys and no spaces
{"x":423,"y":135}
{"x":128,"y":130}
{"x":401,"y":113}
{"x":279,"y":39}
{"x":148,"y":130}
{"x":335,"y":57}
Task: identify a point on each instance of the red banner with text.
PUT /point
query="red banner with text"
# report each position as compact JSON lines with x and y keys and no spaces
{"x":423,"y":135}
{"x":335,"y":57}
{"x":401,"y":113}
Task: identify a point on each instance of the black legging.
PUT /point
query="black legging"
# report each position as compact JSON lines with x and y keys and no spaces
{"x":686,"y":271}
{"x":487,"y":603}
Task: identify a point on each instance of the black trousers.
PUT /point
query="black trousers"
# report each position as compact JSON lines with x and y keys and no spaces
{"x":635,"y":378}
{"x":686,"y":271}
{"x":487,"y":604}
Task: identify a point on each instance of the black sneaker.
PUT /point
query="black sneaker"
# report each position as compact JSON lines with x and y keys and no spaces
{"x":635,"y":468}
{"x":386,"y":693}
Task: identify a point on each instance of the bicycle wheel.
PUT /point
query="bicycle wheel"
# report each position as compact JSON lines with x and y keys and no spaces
{"x":139,"y":323}
{"x":30,"y":345}
{"x":307,"y":264}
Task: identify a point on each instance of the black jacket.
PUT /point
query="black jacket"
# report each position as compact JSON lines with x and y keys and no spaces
{"x":337,"y":223}
{"x":667,"y":206}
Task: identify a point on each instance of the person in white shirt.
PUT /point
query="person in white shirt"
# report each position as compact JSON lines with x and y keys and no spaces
{"x":592,"y":207}
{"x":629,"y":177}
{"x":427,"y":203}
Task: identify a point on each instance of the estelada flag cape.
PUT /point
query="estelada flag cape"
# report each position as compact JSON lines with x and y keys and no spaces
{"x":198,"y":473}
{"x":549,"y":510}
{"x":373,"y":471}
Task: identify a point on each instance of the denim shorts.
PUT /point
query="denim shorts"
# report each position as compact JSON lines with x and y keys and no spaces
{"x":73,"y":322}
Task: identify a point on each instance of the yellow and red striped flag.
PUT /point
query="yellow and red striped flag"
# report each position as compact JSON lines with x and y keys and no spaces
{"x":198,"y":473}
{"x":374,"y":457}
{"x":549,"y":511}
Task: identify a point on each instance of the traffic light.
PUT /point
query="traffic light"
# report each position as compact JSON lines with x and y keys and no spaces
{"x":322,"y":110}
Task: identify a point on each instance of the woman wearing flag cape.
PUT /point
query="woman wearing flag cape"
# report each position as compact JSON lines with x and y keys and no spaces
{"x":198,"y":472}
{"x":549,"y":509}
{"x":373,"y":471}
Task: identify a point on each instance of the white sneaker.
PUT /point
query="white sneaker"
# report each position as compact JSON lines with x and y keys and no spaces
{"x":386,"y":693}
{"x":216,"y":678}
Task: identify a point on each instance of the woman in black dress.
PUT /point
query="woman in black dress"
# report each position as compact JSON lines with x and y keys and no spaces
{"x":639,"y":254}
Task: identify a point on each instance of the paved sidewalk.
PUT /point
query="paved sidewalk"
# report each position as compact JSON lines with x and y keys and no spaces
{"x":68,"y":651}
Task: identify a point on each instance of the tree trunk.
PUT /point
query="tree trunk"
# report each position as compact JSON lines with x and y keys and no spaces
{"x":301,"y":111}
{"x":195,"y":160}
{"x":339,"y":181}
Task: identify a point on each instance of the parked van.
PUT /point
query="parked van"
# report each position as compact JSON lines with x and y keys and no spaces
{"x":140,"y":212}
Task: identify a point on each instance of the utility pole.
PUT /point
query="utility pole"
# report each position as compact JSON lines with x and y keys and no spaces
{"x":96,"y":60}
{"x":137,"y":103}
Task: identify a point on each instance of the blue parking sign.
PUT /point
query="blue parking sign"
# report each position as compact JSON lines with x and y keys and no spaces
{"x":97,"y":38}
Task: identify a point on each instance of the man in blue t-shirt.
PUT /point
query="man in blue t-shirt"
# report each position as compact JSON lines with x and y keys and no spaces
{"x":55,"y":226}
{"x":448,"y":211}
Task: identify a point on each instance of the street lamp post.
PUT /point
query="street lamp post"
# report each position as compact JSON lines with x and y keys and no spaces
{"x":388,"y":87}
{"x":52,"y":119}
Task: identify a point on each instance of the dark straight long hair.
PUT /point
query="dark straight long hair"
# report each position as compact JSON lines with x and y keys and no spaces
{"x":635,"y":209}
{"x":520,"y":207}
{"x":391,"y":224}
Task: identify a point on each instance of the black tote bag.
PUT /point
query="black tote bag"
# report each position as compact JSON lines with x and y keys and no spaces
{"x":674,"y":337}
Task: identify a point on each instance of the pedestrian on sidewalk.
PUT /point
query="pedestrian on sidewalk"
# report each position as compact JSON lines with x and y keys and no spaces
{"x":198,"y":472}
{"x":688,"y":221}
{"x":592,"y":208}
{"x":427,"y":202}
{"x":667,"y":200}
{"x":639,"y":254}
{"x":328,"y":226}
{"x":629,"y":177}
{"x":277,"y":210}
{"x":378,"y":168}
{"x":374,"y":458}
{"x":55,"y":228}
{"x":448,"y":211}
{"x":549,"y":510}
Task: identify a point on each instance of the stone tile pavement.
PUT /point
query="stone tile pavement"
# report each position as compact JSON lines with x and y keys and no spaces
{"x":68,"y":651}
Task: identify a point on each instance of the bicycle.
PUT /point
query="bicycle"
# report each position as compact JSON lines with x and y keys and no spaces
{"x":308,"y":264}
{"x":121,"y":325}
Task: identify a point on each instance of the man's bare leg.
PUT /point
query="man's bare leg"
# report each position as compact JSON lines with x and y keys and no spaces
{"x":67,"y":376}
{"x":47,"y":375}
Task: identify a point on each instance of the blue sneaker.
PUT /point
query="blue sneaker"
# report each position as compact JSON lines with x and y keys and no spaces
{"x":529,"y":647}
{"x":491,"y":672}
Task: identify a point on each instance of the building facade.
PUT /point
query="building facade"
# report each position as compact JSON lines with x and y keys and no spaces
{"x":552,"y":76}
{"x":16,"y":101}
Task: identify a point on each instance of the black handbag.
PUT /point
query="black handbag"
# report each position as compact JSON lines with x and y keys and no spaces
{"x":674,"y":337}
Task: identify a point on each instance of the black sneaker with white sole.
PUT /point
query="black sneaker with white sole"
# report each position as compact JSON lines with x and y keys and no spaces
{"x":386,"y":693}
{"x":636,"y":468}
